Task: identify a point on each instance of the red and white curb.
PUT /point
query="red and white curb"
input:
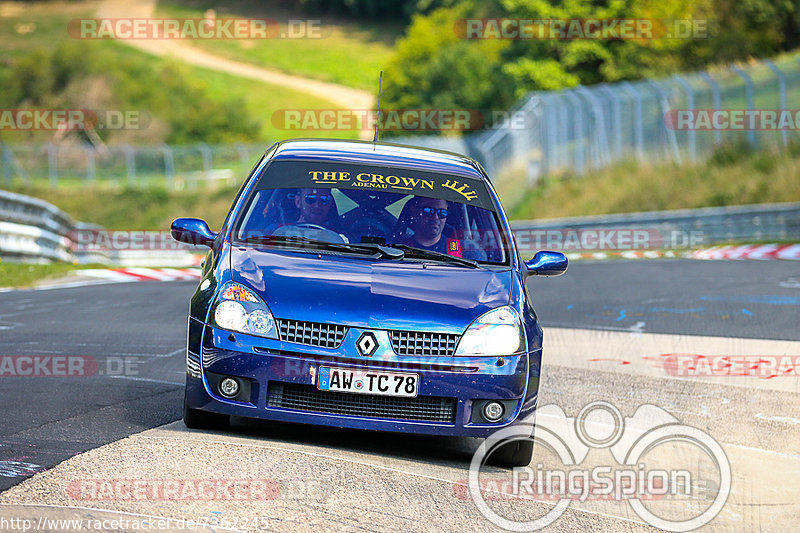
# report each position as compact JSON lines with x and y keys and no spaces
{"x":102,"y":276}
{"x":760,"y":252}
{"x":143,"y":274}
{"x":750,"y":251}
{"x":628,"y":254}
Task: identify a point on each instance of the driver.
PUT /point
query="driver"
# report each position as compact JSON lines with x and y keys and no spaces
{"x":315,"y":207}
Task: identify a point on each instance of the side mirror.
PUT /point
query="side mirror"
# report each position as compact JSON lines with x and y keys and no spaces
{"x":192,"y":231}
{"x":547,"y":264}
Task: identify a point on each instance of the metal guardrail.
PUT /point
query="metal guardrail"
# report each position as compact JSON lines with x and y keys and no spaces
{"x":687,"y":228}
{"x":33,"y":230}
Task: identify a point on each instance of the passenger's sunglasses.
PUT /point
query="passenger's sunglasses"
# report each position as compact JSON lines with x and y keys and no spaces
{"x":311,"y":199}
{"x":430,"y":211}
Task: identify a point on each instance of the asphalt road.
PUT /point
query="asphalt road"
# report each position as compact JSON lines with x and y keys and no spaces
{"x":128,"y":337}
{"x":143,"y":325}
{"x":749,"y":299}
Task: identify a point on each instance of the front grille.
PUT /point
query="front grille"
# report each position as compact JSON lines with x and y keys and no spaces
{"x":422,"y":343}
{"x":311,"y":333}
{"x":309,"y":398}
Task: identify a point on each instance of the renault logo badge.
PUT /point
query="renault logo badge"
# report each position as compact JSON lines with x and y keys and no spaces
{"x":367,"y":344}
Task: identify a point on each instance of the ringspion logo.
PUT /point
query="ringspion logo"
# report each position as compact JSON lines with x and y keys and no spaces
{"x":653,"y":463}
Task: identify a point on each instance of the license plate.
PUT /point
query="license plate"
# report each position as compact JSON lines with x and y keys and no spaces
{"x":367,"y":382}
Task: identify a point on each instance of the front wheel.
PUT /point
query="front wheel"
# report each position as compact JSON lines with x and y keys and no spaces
{"x":512,"y":453}
{"x":195,"y":419}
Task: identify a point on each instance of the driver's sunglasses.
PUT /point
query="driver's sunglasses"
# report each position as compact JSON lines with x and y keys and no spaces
{"x":311,"y":199}
{"x":430,"y":211}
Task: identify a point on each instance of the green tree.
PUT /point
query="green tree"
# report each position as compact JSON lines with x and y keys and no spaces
{"x":433,"y":64}
{"x":434,"y":69}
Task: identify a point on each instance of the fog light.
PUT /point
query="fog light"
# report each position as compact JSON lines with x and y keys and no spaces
{"x":493,"y":411}
{"x":229,"y":387}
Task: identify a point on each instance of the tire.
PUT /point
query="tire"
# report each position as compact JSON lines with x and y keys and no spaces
{"x":511,"y":454}
{"x":195,"y":419}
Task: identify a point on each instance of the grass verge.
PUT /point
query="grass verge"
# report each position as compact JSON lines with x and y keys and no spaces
{"x":21,"y":275}
{"x":110,"y":75}
{"x":346,"y":52}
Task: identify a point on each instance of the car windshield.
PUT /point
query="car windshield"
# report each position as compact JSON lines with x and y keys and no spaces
{"x":315,"y":205}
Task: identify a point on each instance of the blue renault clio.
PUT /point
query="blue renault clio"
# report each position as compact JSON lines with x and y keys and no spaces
{"x":365,"y":285}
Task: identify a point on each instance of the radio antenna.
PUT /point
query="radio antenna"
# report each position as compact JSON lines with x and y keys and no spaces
{"x":378,"y":113}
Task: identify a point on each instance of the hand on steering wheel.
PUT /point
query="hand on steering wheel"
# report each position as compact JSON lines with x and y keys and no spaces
{"x":309,"y":225}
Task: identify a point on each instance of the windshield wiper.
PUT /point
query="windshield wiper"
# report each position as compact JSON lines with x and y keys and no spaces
{"x":362,"y":248}
{"x":438,"y":256}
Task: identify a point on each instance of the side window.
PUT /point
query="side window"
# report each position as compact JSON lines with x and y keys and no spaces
{"x":256,"y":209}
{"x":486,"y":234}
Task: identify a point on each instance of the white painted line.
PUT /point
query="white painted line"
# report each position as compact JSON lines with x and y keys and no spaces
{"x":105,"y":273}
{"x":148,"y":380}
{"x":782,"y":419}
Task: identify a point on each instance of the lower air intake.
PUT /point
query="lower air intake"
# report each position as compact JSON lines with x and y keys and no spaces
{"x":309,"y":398}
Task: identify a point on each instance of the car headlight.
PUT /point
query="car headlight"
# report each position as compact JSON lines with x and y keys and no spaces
{"x":238,"y":309}
{"x":498,"y":332}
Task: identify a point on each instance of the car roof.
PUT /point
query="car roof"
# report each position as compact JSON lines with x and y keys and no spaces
{"x":379,"y":153}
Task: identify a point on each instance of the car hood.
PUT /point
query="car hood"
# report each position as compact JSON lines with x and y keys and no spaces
{"x":372,"y":294}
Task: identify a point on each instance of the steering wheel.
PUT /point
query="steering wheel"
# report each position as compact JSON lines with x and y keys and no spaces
{"x":309,"y":225}
{"x":311,"y":231}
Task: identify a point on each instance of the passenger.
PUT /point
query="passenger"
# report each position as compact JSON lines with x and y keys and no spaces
{"x":428,"y":221}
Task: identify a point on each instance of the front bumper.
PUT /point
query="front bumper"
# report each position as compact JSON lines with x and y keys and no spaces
{"x":272,"y":369}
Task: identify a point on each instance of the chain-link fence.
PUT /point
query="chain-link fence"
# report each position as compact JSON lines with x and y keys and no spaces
{"x":573,"y":131}
{"x":177,"y":166}
{"x":681,"y":119}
